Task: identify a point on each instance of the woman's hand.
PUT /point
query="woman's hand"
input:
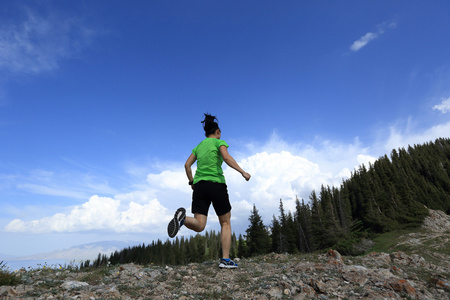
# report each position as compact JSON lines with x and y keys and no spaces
{"x":246,"y":175}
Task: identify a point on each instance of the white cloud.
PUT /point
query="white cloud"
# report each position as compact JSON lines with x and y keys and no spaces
{"x":38,"y":43}
{"x":402,"y":137}
{"x":51,"y":191}
{"x":172,"y":180}
{"x":444,"y":107}
{"x":74,"y":185}
{"x":99,"y":213}
{"x":364,"y":40}
{"x":370,"y":36}
{"x":365,"y":159}
{"x":279,"y":171}
{"x":275,"y":175}
{"x":289,"y":174}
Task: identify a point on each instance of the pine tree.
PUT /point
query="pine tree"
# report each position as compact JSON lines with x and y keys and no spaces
{"x":302,"y":220}
{"x":242,"y":250}
{"x":277,"y":237}
{"x":291,"y":234}
{"x":257,"y":237}
{"x":282,"y":238}
{"x":332,"y":229}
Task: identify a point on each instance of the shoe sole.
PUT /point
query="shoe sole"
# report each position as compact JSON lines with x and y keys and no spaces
{"x":173,"y":227}
{"x":223,"y":266}
{"x":228,"y":267}
{"x":180,"y":214}
{"x":174,"y":224}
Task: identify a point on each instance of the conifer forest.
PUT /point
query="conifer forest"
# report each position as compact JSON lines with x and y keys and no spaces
{"x":393,"y":193}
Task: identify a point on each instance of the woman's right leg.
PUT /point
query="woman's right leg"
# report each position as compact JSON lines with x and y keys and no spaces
{"x":225,"y":234}
{"x":196,"y":223}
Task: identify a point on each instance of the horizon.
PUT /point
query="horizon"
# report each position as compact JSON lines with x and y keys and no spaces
{"x":101,"y":104}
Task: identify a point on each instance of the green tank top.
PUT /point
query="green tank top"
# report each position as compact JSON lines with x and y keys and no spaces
{"x":209,"y":160}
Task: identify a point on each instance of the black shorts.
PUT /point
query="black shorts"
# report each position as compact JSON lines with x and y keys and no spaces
{"x":207,"y":192}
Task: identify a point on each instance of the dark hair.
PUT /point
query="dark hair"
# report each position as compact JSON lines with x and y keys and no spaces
{"x":210,"y":125}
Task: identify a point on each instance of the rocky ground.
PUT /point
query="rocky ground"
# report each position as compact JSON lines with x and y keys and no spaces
{"x":420,"y":274}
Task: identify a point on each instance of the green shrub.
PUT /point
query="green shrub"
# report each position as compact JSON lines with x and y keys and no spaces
{"x":6,"y":277}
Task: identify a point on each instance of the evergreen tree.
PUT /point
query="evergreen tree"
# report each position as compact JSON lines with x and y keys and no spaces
{"x":291,"y":233}
{"x":257,"y":237}
{"x":317,"y":226}
{"x":332,"y":231}
{"x":277,"y":238}
{"x":282,"y":238}
{"x":242,"y":249}
{"x":302,"y":220}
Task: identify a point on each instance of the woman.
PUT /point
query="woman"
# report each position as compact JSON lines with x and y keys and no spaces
{"x":208,"y":187}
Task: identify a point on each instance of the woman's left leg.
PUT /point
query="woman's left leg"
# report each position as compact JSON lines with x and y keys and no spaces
{"x":196,"y":223}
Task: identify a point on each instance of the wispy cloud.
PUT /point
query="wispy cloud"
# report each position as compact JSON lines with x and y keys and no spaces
{"x":68,"y":184}
{"x":402,"y":137}
{"x":37,"y":43}
{"x":370,"y":36}
{"x":444,"y":107}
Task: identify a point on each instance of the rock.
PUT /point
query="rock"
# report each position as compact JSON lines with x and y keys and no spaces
{"x":379,"y":258}
{"x":276,"y":292}
{"x":318,"y":286}
{"x":441,"y":283}
{"x":437,"y":221}
{"x":402,"y":286}
{"x":355,"y":275}
{"x":402,"y":258}
{"x":334,"y":257}
{"x":73,"y":284}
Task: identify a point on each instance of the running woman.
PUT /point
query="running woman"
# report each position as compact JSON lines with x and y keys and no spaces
{"x":208,"y":187}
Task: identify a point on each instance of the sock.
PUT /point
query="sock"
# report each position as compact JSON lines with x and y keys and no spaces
{"x":226,"y":259}
{"x":182,"y":222}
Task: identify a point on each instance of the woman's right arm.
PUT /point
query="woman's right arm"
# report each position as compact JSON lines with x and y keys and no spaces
{"x":187,"y":166}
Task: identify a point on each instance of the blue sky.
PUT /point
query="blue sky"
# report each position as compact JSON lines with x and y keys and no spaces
{"x":101,"y":103}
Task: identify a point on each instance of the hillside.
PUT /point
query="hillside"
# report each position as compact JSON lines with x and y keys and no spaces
{"x":421,"y":270}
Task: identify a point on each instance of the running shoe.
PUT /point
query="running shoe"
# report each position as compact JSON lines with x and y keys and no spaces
{"x":176,"y":223}
{"x":227,"y":264}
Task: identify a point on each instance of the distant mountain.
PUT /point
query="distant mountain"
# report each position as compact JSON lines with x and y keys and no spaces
{"x":79,"y":252}
{"x":7,"y":257}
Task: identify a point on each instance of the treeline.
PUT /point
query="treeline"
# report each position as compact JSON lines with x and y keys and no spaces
{"x":181,"y":250}
{"x":394,"y":192}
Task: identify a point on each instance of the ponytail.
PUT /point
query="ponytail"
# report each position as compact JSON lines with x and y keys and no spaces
{"x":210,"y":125}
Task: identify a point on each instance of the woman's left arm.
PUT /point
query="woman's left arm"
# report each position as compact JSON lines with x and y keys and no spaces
{"x":229,"y":160}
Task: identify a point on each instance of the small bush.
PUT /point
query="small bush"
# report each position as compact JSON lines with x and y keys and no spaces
{"x":6,"y":277}
{"x":354,"y":246}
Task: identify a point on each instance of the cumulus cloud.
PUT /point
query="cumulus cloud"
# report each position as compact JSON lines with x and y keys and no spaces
{"x":444,"y":107}
{"x":169,"y":180}
{"x":275,"y":175}
{"x":279,"y":171}
{"x":370,"y":36}
{"x":98,"y":213}
{"x":37,"y":44}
